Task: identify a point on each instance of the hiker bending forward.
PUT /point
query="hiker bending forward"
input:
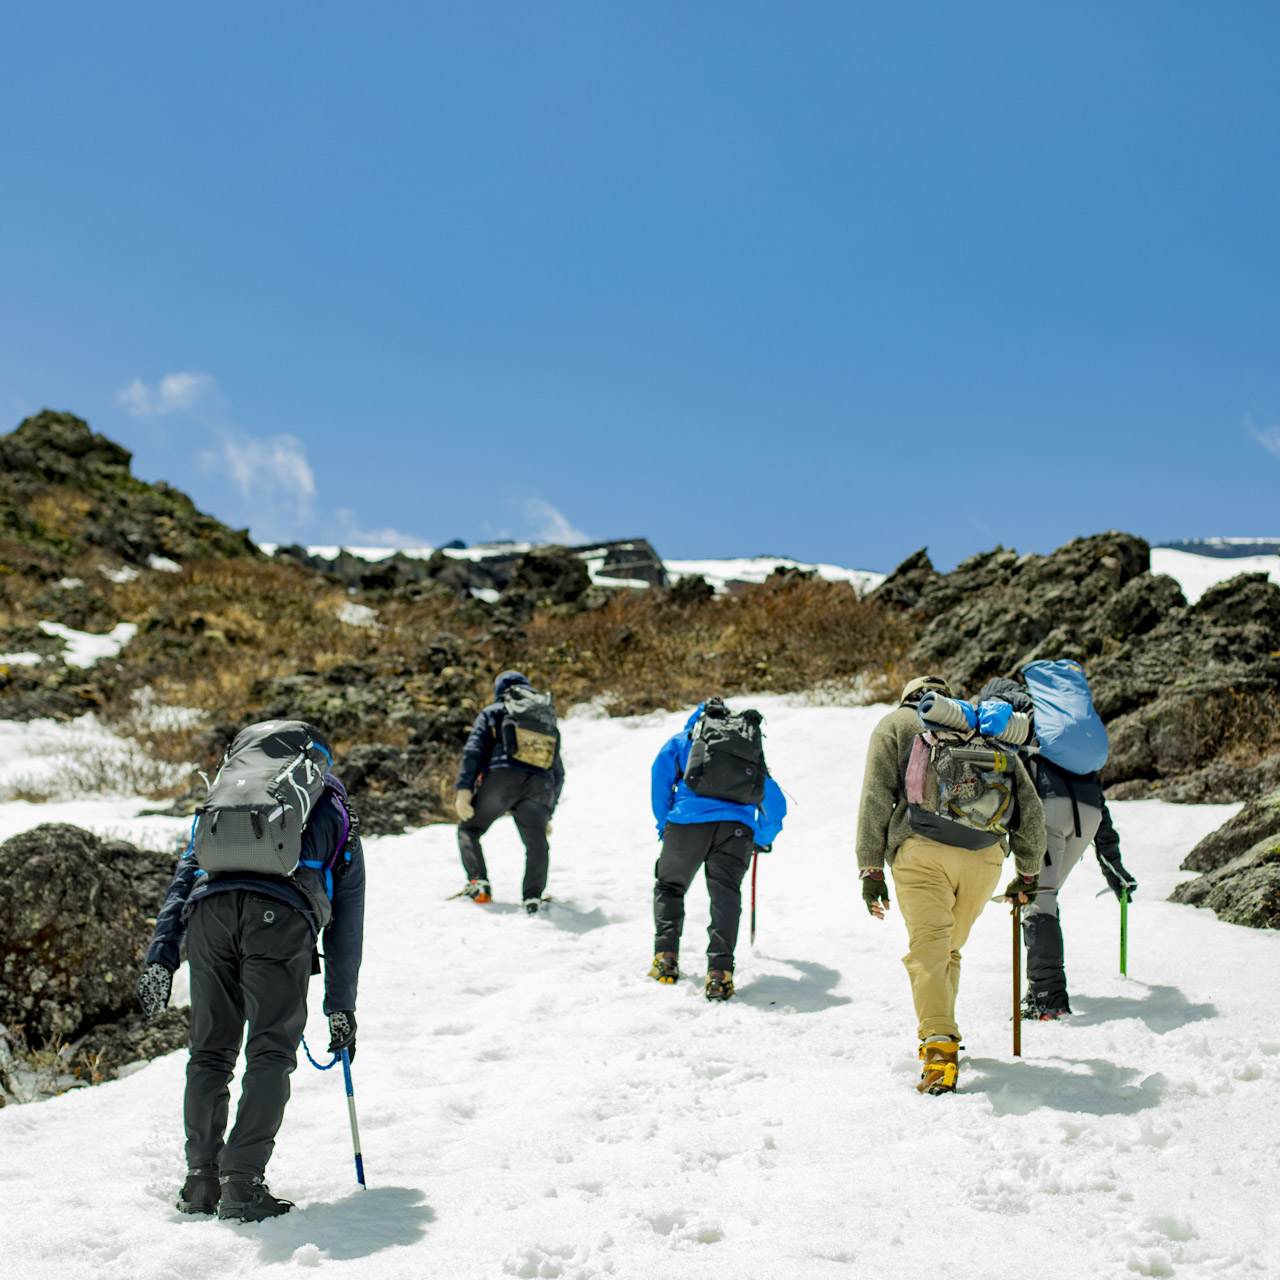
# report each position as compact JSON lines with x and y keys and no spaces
{"x":700,"y":830}
{"x":251,"y":946}
{"x":942,"y":886}
{"x":500,"y":774}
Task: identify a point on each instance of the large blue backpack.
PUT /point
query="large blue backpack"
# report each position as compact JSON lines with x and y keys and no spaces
{"x":1070,"y":731}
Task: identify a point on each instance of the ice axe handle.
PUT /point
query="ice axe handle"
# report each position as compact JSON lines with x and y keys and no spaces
{"x":1017,"y":980}
{"x":351,"y":1111}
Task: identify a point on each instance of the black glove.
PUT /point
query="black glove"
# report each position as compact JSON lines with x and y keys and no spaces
{"x":153,"y":989}
{"x":1119,"y":881}
{"x":1028,"y":885}
{"x":875,"y":892}
{"x":762,"y":848}
{"x":342,"y":1032}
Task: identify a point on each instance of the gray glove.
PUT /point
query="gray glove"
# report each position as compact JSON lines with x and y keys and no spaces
{"x":153,"y":989}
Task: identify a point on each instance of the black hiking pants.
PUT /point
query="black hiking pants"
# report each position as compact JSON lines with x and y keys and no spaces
{"x":250,"y":960}
{"x":725,"y":850}
{"x":527,"y":798}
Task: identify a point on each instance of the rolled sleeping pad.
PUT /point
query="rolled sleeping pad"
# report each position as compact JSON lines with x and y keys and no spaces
{"x":997,"y":719}
{"x":937,"y":711}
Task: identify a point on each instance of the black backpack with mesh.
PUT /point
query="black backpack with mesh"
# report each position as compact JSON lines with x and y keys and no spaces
{"x":726,"y":758}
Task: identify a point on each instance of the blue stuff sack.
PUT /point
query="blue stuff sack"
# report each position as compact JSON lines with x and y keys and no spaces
{"x":1070,"y":731}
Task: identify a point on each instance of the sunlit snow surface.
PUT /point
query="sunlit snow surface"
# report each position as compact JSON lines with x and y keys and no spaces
{"x":1196,"y":574}
{"x":532,"y":1105}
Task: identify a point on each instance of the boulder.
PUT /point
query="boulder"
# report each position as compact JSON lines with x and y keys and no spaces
{"x":1246,"y":889}
{"x":75,"y":923}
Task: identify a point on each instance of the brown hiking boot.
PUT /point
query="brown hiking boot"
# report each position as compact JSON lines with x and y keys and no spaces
{"x":940,"y":1066}
{"x":666,"y":967}
{"x":719,"y":984}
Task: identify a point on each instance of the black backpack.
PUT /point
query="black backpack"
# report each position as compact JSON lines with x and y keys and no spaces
{"x":529,"y":730}
{"x":257,"y":808}
{"x":726,"y":759}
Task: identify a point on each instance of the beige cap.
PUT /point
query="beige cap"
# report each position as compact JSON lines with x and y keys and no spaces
{"x":915,"y":689}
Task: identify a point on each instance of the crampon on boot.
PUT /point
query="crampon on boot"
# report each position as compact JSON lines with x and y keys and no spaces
{"x":1038,"y":1009}
{"x":940,"y":1066}
{"x":477,"y":891}
{"x":200,"y":1192}
{"x":719,"y":984}
{"x":666,"y":967}
{"x":249,"y":1199}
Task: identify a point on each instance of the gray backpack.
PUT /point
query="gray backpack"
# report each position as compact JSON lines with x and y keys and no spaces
{"x":530,"y":734}
{"x":257,"y":808}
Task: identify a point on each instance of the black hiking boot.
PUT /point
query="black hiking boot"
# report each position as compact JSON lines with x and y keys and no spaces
{"x":666,"y":967}
{"x":1039,"y":1009}
{"x":533,"y":905}
{"x":719,"y":984}
{"x":249,"y":1199}
{"x":200,"y":1192}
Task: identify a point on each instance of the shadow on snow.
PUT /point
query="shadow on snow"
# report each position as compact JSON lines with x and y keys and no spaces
{"x":809,"y":994}
{"x":364,"y":1223}
{"x":1163,"y":1009}
{"x":1100,"y":1089}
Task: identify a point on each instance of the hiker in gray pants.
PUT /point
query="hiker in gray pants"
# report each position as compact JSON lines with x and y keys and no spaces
{"x":1075,"y":816}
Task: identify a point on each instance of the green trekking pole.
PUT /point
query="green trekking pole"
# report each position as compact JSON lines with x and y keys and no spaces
{"x":1124,"y":934}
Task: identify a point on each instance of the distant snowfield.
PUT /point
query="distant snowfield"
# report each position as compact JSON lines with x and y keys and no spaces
{"x":532,"y":1105}
{"x":1196,"y":574}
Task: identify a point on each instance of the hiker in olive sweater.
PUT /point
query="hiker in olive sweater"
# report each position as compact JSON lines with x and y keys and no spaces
{"x":941,"y":887}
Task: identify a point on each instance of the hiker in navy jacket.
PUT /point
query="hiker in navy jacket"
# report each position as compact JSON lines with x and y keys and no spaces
{"x":699,"y":831}
{"x":252,"y":948}
{"x":527,"y":793}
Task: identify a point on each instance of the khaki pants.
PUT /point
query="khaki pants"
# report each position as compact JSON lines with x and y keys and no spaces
{"x":941,"y":892}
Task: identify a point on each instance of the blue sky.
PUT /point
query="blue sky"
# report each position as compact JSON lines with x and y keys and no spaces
{"x":830,"y":280}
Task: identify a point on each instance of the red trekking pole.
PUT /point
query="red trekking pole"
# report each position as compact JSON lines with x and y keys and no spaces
{"x":755,"y":862}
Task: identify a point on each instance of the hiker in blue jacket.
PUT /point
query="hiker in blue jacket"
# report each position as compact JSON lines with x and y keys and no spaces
{"x":492,"y":783}
{"x":699,"y":831}
{"x":252,"y":947}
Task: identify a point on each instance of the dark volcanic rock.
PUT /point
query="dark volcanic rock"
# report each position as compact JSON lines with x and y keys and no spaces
{"x":397,"y":787}
{"x":1241,"y":862}
{"x":64,"y":490}
{"x":75,"y":922}
{"x":105,"y":1049}
{"x":549,"y":575}
{"x":1258,"y":822}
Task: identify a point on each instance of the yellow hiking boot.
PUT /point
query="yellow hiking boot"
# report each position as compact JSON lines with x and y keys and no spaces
{"x":665,"y":967}
{"x":940,"y":1066}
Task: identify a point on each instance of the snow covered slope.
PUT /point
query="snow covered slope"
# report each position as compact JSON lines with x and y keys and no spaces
{"x":532,"y":1105}
{"x":1196,"y":574}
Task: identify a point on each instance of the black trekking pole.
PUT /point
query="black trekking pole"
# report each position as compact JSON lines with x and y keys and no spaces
{"x":755,"y":862}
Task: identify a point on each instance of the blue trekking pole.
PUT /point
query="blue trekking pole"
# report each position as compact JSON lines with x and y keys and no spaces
{"x":345,"y":1058}
{"x":351,"y":1109}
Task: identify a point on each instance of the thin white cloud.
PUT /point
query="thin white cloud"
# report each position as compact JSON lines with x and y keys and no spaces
{"x":1267,"y":437}
{"x":173,"y":393}
{"x":267,"y":473}
{"x":353,"y":534}
{"x":549,"y":525}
